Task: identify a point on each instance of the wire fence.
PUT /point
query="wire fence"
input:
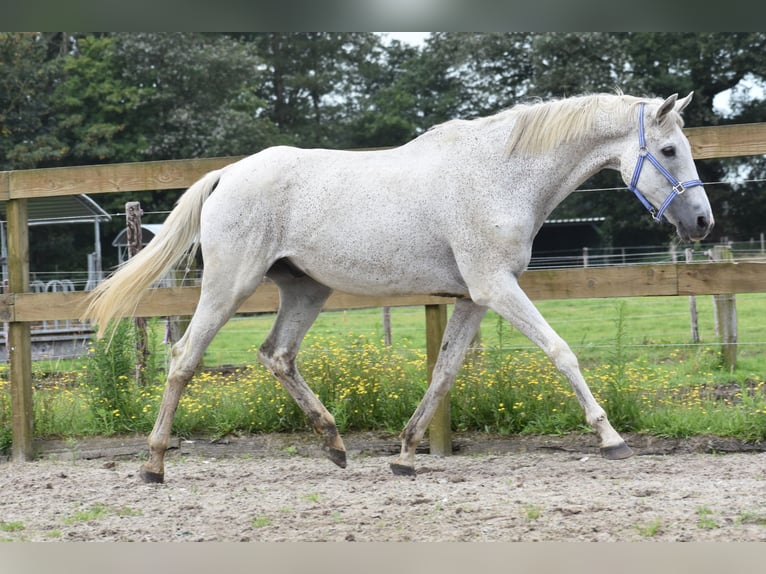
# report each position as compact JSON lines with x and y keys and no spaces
{"x":411,"y":328}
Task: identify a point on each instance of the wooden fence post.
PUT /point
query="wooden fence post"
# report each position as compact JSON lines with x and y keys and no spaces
{"x":135,"y":242}
{"x":387,"y":326}
{"x":726,"y":313}
{"x":19,"y":338}
{"x":693,"y":304}
{"x":439,"y":431}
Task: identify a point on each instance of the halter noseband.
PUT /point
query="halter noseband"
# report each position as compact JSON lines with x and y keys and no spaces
{"x":678,"y":187}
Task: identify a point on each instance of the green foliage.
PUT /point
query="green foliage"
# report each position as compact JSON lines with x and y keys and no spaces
{"x":109,"y":376}
{"x":6,"y":440}
{"x":84,"y":98}
{"x":260,"y":522}
{"x":15,"y":526}
{"x":705,"y":518}
{"x":506,"y":387}
{"x":650,"y":530}
{"x":99,"y":510}
{"x":620,"y":396}
{"x":532,"y":512}
{"x":6,"y":434}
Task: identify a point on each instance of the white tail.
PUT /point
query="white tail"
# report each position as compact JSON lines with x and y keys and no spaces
{"x":120,"y":294}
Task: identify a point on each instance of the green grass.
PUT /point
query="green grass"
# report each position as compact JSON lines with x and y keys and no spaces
{"x":98,"y":511}
{"x":92,"y":513}
{"x":650,"y":530}
{"x":705,"y":518}
{"x":751,"y":518}
{"x":14,"y":526}
{"x":532,"y":512}
{"x":260,"y":522}
{"x":635,"y":354}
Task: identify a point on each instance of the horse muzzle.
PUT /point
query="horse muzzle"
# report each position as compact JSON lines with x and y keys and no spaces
{"x":696,"y":229}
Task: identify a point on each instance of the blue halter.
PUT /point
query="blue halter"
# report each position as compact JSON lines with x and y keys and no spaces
{"x":678,"y":187}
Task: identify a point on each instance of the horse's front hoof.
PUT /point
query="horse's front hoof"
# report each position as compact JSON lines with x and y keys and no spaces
{"x":402,"y":469}
{"x":336,"y":455}
{"x":151,"y":477}
{"x":616,"y":452}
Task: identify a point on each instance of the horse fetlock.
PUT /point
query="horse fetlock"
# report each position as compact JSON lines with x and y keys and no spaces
{"x":280,"y":362}
{"x":596,"y":419}
{"x":332,"y":438}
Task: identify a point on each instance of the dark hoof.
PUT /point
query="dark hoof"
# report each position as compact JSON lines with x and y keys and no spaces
{"x":402,"y":470}
{"x":616,"y":452}
{"x":337,"y":456}
{"x":151,"y":477}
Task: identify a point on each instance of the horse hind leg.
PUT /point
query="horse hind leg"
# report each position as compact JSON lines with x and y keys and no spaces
{"x":216,"y":305}
{"x":301,"y":299}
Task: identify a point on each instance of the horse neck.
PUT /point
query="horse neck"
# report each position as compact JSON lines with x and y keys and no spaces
{"x":564,"y":169}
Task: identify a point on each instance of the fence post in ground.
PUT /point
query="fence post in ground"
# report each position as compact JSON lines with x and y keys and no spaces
{"x":135,"y":243}
{"x":726,"y":313}
{"x":387,"y":326}
{"x":439,"y":431}
{"x":693,"y":304}
{"x":19,"y":338}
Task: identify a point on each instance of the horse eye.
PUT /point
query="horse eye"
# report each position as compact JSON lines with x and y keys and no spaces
{"x":669,"y":151}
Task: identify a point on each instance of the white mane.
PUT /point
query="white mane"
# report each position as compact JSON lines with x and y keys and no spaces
{"x":542,"y":126}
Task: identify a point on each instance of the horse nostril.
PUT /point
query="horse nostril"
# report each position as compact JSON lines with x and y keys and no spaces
{"x":702,"y":222}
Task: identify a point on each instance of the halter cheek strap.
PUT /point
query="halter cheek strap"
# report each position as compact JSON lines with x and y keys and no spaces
{"x":645,"y":154}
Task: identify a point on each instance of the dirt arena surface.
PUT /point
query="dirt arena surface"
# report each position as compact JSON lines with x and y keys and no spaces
{"x":280,"y":488}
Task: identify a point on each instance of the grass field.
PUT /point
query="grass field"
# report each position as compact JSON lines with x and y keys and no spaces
{"x":656,"y":329}
{"x":635,"y":353}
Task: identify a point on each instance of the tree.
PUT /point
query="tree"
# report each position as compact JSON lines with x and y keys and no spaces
{"x":309,"y":78}
{"x":405,"y":92}
{"x":98,"y":109}
{"x":652,"y":64}
{"x":29,"y":67}
{"x":69,"y":99}
{"x":201,"y":94}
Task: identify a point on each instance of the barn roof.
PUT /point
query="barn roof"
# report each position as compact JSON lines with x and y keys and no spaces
{"x":61,"y":209}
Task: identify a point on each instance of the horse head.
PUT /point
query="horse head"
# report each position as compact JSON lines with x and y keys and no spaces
{"x":658,"y":167}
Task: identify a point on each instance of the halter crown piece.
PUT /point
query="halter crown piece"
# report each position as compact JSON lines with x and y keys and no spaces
{"x":643,"y":153}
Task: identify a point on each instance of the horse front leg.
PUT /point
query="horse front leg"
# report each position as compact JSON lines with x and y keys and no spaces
{"x":461,"y":328}
{"x":510,"y":301}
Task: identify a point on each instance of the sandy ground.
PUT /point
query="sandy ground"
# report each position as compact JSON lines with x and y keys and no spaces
{"x":280,"y":488}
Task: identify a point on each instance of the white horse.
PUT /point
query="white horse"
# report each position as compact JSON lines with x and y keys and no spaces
{"x":453,"y":211}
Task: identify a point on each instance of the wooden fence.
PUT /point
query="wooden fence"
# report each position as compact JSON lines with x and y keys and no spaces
{"x":19,"y":307}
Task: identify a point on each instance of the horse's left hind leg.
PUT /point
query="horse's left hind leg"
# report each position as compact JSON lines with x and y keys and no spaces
{"x":300,"y":301}
{"x":212,"y":312}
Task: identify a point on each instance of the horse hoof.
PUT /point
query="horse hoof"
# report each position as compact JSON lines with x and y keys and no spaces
{"x":402,"y":470}
{"x":337,"y":456}
{"x":151,"y":477}
{"x":616,"y":452}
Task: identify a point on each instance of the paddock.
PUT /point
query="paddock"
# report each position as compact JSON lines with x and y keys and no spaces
{"x":271,"y":488}
{"x":20,"y":308}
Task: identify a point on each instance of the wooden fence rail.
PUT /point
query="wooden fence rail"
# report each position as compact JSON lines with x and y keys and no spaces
{"x":18,"y":307}
{"x":651,"y":280}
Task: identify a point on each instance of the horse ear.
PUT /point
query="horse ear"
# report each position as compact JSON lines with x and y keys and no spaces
{"x":666,"y":107}
{"x":681,"y":104}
